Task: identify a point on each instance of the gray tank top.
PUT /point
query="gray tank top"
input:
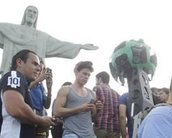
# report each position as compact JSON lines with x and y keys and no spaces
{"x":81,"y":123}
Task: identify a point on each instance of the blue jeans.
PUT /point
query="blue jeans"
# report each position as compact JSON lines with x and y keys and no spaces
{"x":70,"y":136}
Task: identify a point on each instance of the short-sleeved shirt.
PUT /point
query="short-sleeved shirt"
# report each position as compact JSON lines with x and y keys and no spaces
{"x":38,"y":97}
{"x":107,"y":118}
{"x":157,"y":124}
{"x":123,"y":99}
{"x":12,"y":127}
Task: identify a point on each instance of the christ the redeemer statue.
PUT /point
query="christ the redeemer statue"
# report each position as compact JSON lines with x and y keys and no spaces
{"x":14,"y":38}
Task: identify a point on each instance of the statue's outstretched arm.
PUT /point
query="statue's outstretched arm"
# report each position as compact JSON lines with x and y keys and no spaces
{"x":89,"y":47}
{"x":1,"y":41}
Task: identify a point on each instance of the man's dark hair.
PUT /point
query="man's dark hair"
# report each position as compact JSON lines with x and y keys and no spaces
{"x":84,"y":64}
{"x":23,"y":55}
{"x":166,"y":90}
{"x":154,"y":89}
{"x":66,"y":83}
{"x":104,"y":77}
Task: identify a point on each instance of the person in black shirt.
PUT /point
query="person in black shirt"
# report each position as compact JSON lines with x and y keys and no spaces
{"x":18,"y":118}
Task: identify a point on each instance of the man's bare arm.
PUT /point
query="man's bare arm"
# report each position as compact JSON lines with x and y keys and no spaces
{"x":16,"y":107}
{"x":122,"y":118}
{"x":61,"y":111}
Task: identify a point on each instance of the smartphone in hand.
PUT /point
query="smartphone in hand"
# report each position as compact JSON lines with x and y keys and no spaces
{"x":92,"y":101}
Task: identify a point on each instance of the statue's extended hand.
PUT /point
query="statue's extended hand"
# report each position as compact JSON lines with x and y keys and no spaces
{"x":89,"y":47}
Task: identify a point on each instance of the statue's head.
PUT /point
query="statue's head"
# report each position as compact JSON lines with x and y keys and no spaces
{"x":132,"y":54}
{"x":30,"y":16}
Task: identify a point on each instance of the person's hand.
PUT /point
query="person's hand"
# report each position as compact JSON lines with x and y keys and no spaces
{"x":99,"y":104}
{"x":87,"y":107}
{"x":89,"y":47}
{"x":47,"y":121}
{"x":42,"y":76}
{"x":49,"y":76}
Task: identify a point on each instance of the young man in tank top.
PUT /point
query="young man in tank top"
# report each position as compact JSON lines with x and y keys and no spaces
{"x":75,"y":104}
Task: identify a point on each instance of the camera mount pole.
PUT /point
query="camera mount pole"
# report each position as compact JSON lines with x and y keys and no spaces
{"x":140,"y":97}
{"x":134,"y":60}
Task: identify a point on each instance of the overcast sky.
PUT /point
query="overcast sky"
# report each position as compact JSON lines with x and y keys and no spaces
{"x":105,"y":23}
